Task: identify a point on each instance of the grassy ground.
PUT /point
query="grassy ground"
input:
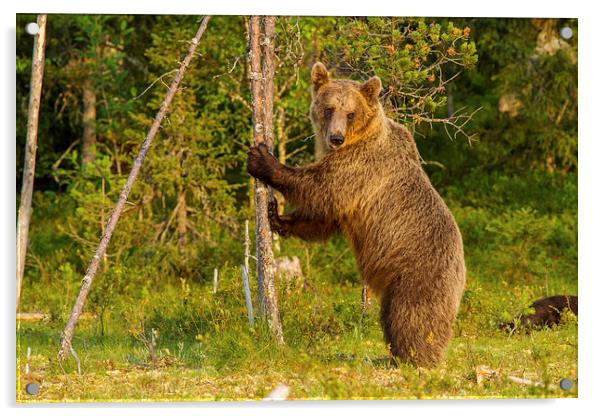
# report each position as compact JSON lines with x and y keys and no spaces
{"x":337,"y":362}
{"x":520,"y":242}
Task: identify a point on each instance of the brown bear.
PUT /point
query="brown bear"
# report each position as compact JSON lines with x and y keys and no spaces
{"x":371,"y":188}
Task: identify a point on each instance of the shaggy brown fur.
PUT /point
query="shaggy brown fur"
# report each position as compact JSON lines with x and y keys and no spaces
{"x":546,"y":312}
{"x":372,"y":189}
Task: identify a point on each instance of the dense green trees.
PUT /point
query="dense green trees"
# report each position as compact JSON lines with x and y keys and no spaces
{"x":526,"y":84}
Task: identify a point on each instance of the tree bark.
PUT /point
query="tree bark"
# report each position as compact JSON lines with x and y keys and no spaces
{"x":262,"y":92}
{"x":89,"y":121}
{"x":67,"y":334}
{"x":29,"y":165}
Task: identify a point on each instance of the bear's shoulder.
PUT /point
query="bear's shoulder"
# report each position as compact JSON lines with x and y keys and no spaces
{"x":403,"y":138}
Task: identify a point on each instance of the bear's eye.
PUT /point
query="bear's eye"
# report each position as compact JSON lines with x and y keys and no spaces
{"x":350,"y":116}
{"x":328,"y":112}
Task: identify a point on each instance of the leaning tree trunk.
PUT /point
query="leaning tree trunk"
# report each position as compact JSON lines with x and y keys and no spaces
{"x":67,"y":334}
{"x":262,"y":91}
{"x":29,"y":165}
{"x":89,"y":121}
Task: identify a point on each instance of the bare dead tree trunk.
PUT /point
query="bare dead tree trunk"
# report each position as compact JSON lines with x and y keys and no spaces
{"x":31,"y":144}
{"x":89,"y":121}
{"x":67,"y":334}
{"x":247,"y":246}
{"x":262,"y":92}
{"x":247,"y":292}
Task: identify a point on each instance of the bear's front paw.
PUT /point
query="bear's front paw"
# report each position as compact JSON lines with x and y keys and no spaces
{"x":273,"y":209}
{"x":260,"y":163}
{"x":273,"y":217}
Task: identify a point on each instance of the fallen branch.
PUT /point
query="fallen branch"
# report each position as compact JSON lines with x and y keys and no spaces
{"x":32,"y":316}
{"x":67,"y":334}
{"x":39,"y":316}
{"x":484,"y":372}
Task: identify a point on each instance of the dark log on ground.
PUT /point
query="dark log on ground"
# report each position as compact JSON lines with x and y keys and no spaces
{"x":546,"y":312}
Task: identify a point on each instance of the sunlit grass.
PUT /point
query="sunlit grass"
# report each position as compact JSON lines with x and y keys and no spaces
{"x":346,"y":360}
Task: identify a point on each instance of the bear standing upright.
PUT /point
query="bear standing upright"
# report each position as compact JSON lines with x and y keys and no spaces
{"x":371,"y":187}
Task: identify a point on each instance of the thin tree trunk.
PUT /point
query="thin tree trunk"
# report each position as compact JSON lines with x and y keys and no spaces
{"x":182,"y":219}
{"x":247,"y":246}
{"x":282,"y":155}
{"x":67,"y":334}
{"x":247,"y":292}
{"x":365,"y":297}
{"x":29,"y":165}
{"x":260,"y":190}
{"x":282,"y":135}
{"x":282,"y":139}
{"x":262,"y":91}
{"x":89,"y":121}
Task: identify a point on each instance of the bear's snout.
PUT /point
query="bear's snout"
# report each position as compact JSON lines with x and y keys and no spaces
{"x":336,"y":140}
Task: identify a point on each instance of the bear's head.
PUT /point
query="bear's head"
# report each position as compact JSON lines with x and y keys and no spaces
{"x":343,"y":111}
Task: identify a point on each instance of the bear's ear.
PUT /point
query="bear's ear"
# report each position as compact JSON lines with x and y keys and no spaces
{"x":319,"y":75}
{"x":370,"y":89}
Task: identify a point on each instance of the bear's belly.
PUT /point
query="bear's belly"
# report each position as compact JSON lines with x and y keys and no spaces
{"x":411,"y":257}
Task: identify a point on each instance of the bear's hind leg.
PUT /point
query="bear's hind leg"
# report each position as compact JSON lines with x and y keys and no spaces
{"x":417,"y":330}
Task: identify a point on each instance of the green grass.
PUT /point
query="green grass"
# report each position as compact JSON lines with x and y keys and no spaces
{"x":515,"y":253}
{"x":341,"y":357}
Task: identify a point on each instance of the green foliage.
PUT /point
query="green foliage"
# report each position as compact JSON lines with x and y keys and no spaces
{"x":526,"y":86}
{"x":414,"y":57}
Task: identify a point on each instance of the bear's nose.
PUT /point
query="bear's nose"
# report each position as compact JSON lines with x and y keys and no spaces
{"x":337,"y":139}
